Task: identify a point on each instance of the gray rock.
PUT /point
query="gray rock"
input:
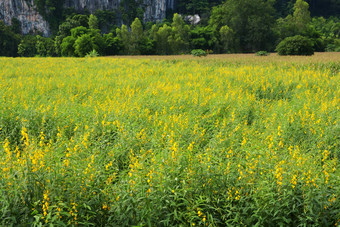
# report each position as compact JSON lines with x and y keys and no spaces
{"x":193,"y":19}
{"x":23,"y":10}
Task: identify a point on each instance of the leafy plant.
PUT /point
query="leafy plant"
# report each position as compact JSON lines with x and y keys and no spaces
{"x":92,"y":54}
{"x":296,"y":45}
{"x":198,"y":53}
{"x":262,"y":53}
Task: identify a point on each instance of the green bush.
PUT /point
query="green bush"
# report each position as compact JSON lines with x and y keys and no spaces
{"x":334,"y":46}
{"x":198,"y":53}
{"x":92,"y":54}
{"x":262,"y":53}
{"x":296,"y":45}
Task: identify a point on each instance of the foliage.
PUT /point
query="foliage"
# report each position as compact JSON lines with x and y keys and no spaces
{"x":179,"y":36}
{"x":67,"y":46}
{"x":262,"y":53}
{"x":84,"y":45}
{"x":27,"y":47}
{"x":192,"y":7}
{"x":93,"y":22}
{"x":301,"y":15}
{"x":73,"y":22}
{"x":251,"y":21}
{"x":199,"y":53}
{"x":130,"y":9}
{"x":161,"y":38}
{"x":296,"y":45}
{"x":124,"y":36}
{"x":107,"y":20}
{"x":44,"y":46}
{"x":146,"y":46}
{"x":329,"y":28}
{"x":334,"y":47}
{"x":92,"y":54}
{"x":195,"y":142}
{"x":296,"y":23}
{"x":202,"y":38}
{"x":137,"y":35}
{"x":82,"y":40}
{"x":227,"y":40}
{"x":113,"y":45}
{"x":9,"y":41}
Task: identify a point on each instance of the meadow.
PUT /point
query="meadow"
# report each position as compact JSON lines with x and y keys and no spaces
{"x":228,"y":140}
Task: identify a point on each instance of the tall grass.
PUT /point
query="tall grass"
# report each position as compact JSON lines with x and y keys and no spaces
{"x":121,"y":142}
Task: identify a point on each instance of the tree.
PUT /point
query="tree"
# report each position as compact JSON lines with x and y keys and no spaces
{"x":57,"y":45}
{"x":72,"y":22}
{"x":146,"y":46}
{"x":9,"y":41}
{"x":136,"y":30}
{"x":79,"y":31}
{"x":81,"y":41}
{"x":227,"y":40}
{"x":27,"y":46}
{"x":135,"y":37}
{"x":130,"y":9}
{"x":202,"y":38}
{"x":179,"y":37}
{"x":197,"y":6}
{"x":113,"y":44}
{"x":252,"y":21}
{"x":84,"y":45}
{"x":44,"y":46}
{"x":66,"y":27}
{"x":67,"y":46}
{"x":301,"y":15}
{"x":125,"y":38}
{"x":93,"y":22}
{"x":161,"y":37}
{"x":296,"y":23}
{"x":106,"y":20}
{"x":192,"y":7}
{"x":97,"y":40}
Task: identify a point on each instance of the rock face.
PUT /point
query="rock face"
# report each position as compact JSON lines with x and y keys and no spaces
{"x":23,"y":10}
{"x":32,"y":21}
{"x":91,"y":5}
{"x":155,"y":10}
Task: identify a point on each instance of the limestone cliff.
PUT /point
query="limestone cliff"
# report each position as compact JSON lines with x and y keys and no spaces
{"x":23,"y":10}
{"x":31,"y":21}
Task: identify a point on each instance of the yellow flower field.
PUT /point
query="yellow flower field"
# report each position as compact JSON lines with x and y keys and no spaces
{"x":166,"y":142}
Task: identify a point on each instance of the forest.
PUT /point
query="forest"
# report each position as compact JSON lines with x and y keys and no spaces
{"x":231,"y":26}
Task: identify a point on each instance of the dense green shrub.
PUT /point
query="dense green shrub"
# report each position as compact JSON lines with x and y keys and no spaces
{"x":333,"y":47}
{"x":262,"y":53}
{"x":198,"y":53}
{"x":296,"y":45}
{"x":92,"y":54}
